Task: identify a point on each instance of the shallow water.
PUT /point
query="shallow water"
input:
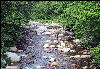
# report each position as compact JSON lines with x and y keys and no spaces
{"x":37,"y":57}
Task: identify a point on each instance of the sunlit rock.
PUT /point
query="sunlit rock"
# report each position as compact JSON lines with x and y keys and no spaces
{"x":20,"y":51}
{"x":48,"y":33}
{"x":77,"y":41}
{"x":46,"y":46}
{"x":55,"y":41}
{"x":13,"y":49}
{"x":13,"y":56}
{"x":12,"y":67}
{"x":85,"y":56}
{"x":85,"y":67}
{"x":60,"y":35}
{"x":76,"y":56}
{"x":52,"y":59}
{"x":59,"y":46}
{"x":48,"y":40}
{"x":55,"y":64}
{"x":72,"y":51}
{"x":62,"y":44}
{"x":65,"y":50}
{"x":52,"y":46}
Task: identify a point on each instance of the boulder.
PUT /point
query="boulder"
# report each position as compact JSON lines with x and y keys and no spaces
{"x":14,"y":49}
{"x":13,"y":56}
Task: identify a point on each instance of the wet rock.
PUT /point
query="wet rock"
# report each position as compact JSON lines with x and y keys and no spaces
{"x":52,"y":59}
{"x":39,"y":67}
{"x":55,"y":41}
{"x":76,"y":56}
{"x":62,"y":43}
{"x":12,"y":67}
{"x":46,"y":46}
{"x":85,"y":67}
{"x":69,"y":33}
{"x":3,"y":61}
{"x":13,"y":56}
{"x":20,"y":51}
{"x":61,"y":35}
{"x":85,"y":56}
{"x":73,"y":64}
{"x":47,"y":33}
{"x":52,"y":46}
{"x":59,"y":46}
{"x":72,"y":51}
{"x":14,"y":49}
{"x":77,"y":41}
{"x":48,"y":41}
{"x":55,"y":64}
{"x":65,"y":50}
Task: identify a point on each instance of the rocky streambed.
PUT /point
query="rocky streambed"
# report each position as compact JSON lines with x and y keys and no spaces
{"x":48,"y":46}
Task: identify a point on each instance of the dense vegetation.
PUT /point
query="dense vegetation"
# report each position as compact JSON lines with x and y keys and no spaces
{"x":83,"y":17}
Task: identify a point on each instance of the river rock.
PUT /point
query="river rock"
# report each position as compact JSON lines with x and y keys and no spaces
{"x":85,"y":56}
{"x":48,"y":33}
{"x":46,"y":46}
{"x":14,"y":49}
{"x":77,"y":41}
{"x":60,"y":35}
{"x":65,"y":50}
{"x":62,"y":43}
{"x":76,"y":56}
{"x":85,"y":67}
{"x":12,"y":67}
{"x":52,"y":59}
{"x":52,"y":46}
{"x":3,"y":61}
{"x":72,"y":51}
{"x":13,"y":56}
{"x":55,"y":64}
{"x":59,"y":46}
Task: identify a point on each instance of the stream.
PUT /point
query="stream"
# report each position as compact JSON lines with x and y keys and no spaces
{"x":37,"y":56}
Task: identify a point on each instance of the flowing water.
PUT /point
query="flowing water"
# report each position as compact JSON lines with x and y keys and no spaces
{"x":38,"y":57}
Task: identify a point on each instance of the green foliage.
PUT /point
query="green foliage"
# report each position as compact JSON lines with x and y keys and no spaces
{"x":96,"y":50}
{"x":13,"y":14}
{"x":96,"y":58}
